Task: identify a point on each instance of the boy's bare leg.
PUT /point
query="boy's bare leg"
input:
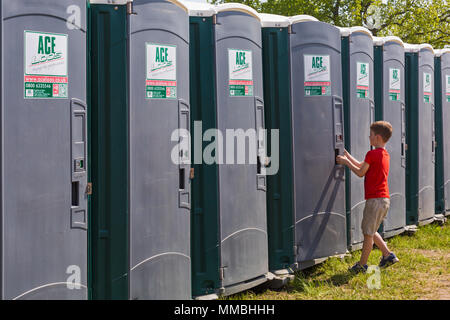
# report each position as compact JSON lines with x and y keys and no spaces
{"x":367,"y":247}
{"x":381,"y":244}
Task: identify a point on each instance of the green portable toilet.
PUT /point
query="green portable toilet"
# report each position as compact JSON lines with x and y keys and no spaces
{"x":420,"y":134}
{"x":228,"y":216}
{"x":280,"y":194}
{"x":389,"y":69}
{"x":442,"y":89}
{"x":139,"y":93}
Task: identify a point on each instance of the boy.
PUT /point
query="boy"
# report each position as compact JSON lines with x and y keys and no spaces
{"x":375,"y":169}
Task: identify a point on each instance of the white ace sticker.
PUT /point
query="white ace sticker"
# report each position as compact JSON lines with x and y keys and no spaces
{"x":394,"y":79}
{"x":45,"y":65}
{"x":394,"y":84}
{"x":362,"y":80}
{"x":317,"y":68}
{"x":427,"y":87}
{"x":240,"y":64}
{"x":447,"y":87}
{"x":317,"y":75}
{"x":45,"y":54}
{"x":240,"y":73}
{"x":363,"y":73}
{"x":161,"y":78}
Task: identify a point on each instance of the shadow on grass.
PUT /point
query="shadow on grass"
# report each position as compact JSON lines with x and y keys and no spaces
{"x":300,"y":284}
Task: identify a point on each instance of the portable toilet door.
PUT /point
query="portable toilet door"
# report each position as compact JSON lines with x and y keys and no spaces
{"x":420,"y":134}
{"x":233,"y":244}
{"x":277,"y":98}
{"x":44,"y":156}
{"x":205,"y":248}
{"x":389,"y":79}
{"x":318,"y":137}
{"x":359,"y":107}
{"x":442,"y":118}
{"x":154,"y":237}
{"x":160,"y":266}
{"x":242,"y":186}
{"x":109,"y":140}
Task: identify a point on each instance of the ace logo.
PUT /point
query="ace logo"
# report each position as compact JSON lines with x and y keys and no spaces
{"x":317,"y":75}
{"x":395,"y":75}
{"x":240,"y":70}
{"x":45,"y":54}
{"x":362,"y":80}
{"x":240,"y":58}
{"x":447,"y":88}
{"x":394,"y":84}
{"x":427,"y":88}
{"x":240,"y":63}
{"x":363,"y":71}
{"x":45,"y":65}
{"x":161,"y":81}
{"x":317,"y":62}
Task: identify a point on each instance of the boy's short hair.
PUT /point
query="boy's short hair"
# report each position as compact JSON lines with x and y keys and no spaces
{"x":383,"y":128}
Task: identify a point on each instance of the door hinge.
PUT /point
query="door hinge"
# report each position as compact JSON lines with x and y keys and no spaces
{"x":192,"y":174}
{"x":222,"y":273}
{"x":130,"y":8}
{"x":214,"y":19}
{"x":89,"y":188}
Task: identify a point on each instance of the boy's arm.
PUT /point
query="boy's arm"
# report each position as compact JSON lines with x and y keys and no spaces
{"x":357,"y":163}
{"x":360,"y":172}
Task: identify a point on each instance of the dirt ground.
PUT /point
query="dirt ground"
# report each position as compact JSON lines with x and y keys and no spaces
{"x":438,"y":283}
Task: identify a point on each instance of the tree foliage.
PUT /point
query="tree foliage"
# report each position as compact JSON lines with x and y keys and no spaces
{"x":414,"y":21}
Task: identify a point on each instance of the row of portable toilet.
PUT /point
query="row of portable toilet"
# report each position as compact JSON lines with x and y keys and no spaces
{"x":93,"y":203}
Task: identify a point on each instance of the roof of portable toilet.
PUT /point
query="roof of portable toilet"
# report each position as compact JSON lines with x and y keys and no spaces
{"x":361,"y":29}
{"x":301,"y":18}
{"x":237,"y":7}
{"x":426,"y":46}
{"x":378,"y":41}
{"x":274,"y":21}
{"x":197,"y":9}
{"x":119,"y":2}
{"x":441,"y":52}
{"x":393,"y":39}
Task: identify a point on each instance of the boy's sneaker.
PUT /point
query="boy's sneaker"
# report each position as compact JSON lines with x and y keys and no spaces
{"x":357,"y":268}
{"x":389,"y":260}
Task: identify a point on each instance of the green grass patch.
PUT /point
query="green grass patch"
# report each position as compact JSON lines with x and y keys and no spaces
{"x":422,"y":273}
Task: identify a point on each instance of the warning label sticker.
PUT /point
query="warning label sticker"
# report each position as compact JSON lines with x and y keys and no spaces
{"x":317,"y":75}
{"x":427,"y":87}
{"x":240,"y":71}
{"x":362,"y":80}
{"x":161,"y":78}
{"x":45,"y":65}
{"x":447,"y":87}
{"x":394,"y":84}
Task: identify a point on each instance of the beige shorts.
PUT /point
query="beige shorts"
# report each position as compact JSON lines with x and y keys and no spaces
{"x":374,"y":213}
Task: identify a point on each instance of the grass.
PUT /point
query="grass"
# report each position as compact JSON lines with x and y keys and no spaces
{"x":422,"y":273}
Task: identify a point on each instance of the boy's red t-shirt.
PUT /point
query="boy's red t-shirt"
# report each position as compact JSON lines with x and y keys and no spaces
{"x":376,"y":179}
